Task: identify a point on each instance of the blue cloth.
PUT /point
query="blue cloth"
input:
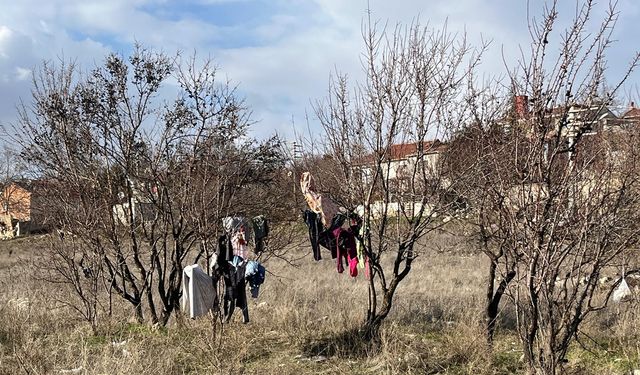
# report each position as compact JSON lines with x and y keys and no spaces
{"x":255,"y":273}
{"x":236,"y":261}
{"x":252,"y":268}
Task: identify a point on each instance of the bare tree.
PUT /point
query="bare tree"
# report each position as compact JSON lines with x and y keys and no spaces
{"x":555,"y":184}
{"x":68,"y":264}
{"x":139,"y":182}
{"x":12,"y":167}
{"x":415,"y":78}
{"x":477,"y":177}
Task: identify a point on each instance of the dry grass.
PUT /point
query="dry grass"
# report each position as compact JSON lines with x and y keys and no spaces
{"x":305,"y":321}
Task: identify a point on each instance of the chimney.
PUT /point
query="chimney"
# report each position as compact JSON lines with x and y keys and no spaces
{"x":633,"y":105}
{"x":522,"y":106}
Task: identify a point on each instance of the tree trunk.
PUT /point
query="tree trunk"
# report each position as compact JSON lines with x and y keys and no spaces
{"x":491,"y":314}
{"x":152,"y":305}
{"x":165,"y":317}
{"x":493,"y":298}
{"x":546,"y":364}
{"x":138,"y":313}
{"x":371,"y":328}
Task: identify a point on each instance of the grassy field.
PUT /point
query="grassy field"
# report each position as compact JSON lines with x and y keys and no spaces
{"x":303,"y":322}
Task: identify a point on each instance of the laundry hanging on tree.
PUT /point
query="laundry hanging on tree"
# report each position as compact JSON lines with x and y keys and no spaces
{"x":254,"y":274}
{"x":346,"y":249}
{"x":198,"y":291}
{"x":324,"y":206}
{"x":326,"y":222}
{"x":260,"y":232}
{"x":231,"y":264}
{"x":243,"y":232}
{"x":314,"y":223}
{"x":235,"y":292}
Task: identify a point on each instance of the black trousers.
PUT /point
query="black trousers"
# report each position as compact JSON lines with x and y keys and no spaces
{"x":314,"y":224}
{"x":235,"y":294}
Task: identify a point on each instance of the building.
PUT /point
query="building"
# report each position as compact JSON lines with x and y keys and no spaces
{"x":22,"y":209}
{"x":400,"y":160}
{"x":571,"y":119}
{"x":139,"y":206}
{"x":632,"y":115}
{"x":397,"y":167}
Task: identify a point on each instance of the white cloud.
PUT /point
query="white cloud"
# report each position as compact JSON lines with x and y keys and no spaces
{"x":22,"y":73}
{"x":293,"y":48}
{"x":5,"y":39}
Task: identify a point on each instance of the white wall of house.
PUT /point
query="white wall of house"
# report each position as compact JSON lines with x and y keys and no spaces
{"x":393,"y":209}
{"x":402,"y":168}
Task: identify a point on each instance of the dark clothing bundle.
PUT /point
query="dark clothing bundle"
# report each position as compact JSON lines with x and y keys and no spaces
{"x":235,"y":294}
{"x":236,"y":272}
{"x":260,"y":232}
{"x":225,"y":250}
{"x":339,"y":241}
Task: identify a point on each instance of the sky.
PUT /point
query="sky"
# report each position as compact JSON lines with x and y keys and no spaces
{"x":280,"y":52}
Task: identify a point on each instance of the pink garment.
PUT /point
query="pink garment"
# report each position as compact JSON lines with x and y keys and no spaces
{"x":353,"y":266}
{"x":239,"y":244}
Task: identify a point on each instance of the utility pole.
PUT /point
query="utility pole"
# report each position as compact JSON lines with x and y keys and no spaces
{"x":296,"y":156}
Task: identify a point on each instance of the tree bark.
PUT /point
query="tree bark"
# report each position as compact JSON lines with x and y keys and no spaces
{"x":493,"y":298}
{"x":138,"y":313}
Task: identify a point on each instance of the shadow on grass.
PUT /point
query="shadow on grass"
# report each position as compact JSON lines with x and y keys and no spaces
{"x":448,"y":311}
{"x":352,"y":344}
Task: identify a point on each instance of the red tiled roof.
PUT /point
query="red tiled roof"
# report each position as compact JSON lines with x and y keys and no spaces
{"x":558,"y":110}
{"x":403,"y":151}
{"x":632,"y":113}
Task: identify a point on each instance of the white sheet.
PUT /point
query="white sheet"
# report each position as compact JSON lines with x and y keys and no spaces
{"x":198,"y":293}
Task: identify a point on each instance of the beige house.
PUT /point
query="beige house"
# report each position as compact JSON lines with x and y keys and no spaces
{"x":402,"y":158}
{"x":398,"y":167}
